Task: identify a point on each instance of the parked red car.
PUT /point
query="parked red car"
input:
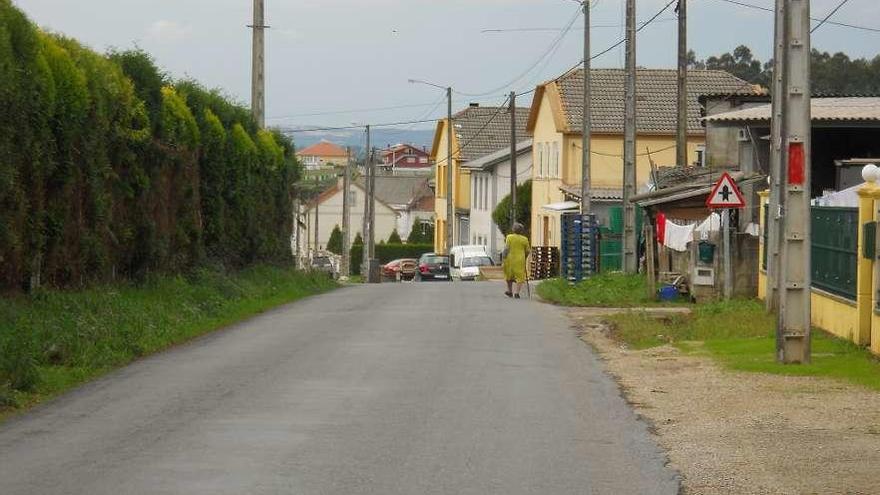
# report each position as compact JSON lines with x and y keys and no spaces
{"x":402,"y":269}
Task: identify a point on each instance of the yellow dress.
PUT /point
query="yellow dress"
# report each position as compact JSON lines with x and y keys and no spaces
{"x":515,"y":262}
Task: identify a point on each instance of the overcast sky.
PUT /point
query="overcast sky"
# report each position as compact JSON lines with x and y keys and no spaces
{"x":341,"y":55}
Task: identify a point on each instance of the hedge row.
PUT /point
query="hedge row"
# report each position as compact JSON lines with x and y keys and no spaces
{"x":109,"y":169}
{"x":388,"y":252}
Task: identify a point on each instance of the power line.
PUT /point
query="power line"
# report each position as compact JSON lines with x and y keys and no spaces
{"x":834,"y":23}
{"x":543,"y":30}
{"x":348,"y":127}
{"x":550,"y":49}
{"x":830,"y":14}
{"x":476,"y":134}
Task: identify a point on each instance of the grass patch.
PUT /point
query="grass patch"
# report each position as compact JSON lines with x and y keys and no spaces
{"x":617,"y":290}
{"x":55,"y":340}
{"x":740,"y":335}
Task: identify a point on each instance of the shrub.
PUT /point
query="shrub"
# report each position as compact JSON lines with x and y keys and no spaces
{"x":501,"y":214}
{"x":334,"y":244}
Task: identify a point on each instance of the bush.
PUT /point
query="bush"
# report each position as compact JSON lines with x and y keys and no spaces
{"x":112,"y":170}
{"x":394,"y":238}
{"x":421,"y":233}
{"x":501,"y":214}
{"x":334,"y":244}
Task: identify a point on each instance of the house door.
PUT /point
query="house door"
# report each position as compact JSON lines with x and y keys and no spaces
{"x":546,"y":229}
{"x":464,"y":230}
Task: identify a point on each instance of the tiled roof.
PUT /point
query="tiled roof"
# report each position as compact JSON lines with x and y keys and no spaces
{"x":324,"y":148}
{"x":398,"y":190}
{"x":655,"y":94}
{"x":485,"y":130}
{"x":848,"y":109}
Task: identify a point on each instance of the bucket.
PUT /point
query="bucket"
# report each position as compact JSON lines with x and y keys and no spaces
{"x":706,"y":252}
{"x":668,"y":293}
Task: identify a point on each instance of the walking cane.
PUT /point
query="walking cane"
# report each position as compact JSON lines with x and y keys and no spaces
{"x":528,"y":285}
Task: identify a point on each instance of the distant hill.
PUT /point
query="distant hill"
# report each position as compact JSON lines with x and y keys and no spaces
{"x":381,"y":138}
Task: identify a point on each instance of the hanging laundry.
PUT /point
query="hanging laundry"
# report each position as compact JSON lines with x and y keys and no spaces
{"x":661,"y":228}
{"x":677,"y":236}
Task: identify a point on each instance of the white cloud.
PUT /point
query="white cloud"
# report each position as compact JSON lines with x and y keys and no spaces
{"x":166,"y":31}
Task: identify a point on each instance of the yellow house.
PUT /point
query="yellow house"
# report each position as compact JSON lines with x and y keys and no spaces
{"x":555,"y":122}
{"x":477,"y":131}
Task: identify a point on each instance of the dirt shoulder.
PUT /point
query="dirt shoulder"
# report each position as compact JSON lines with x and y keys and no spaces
{"x":746,"y":433}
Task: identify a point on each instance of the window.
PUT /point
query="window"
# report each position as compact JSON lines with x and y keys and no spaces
{"x":486,"y":193}
{"x":554,"y":168}
{"x":540,"y":159}
{"x":545,"y":163}
{"x":352,"y":198}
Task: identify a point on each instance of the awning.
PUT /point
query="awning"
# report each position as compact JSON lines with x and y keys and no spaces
{"x":564,"y":206}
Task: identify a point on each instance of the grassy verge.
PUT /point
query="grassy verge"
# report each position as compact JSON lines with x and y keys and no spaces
{"x":55,"y":340}
{"x":740,"y":335}
{"x":607,"y":290}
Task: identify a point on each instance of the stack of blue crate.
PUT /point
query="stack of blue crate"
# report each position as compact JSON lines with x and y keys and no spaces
{"x":580,"y":246}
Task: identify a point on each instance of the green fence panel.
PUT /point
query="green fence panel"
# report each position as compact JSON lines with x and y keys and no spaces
{"x":834,"y":249}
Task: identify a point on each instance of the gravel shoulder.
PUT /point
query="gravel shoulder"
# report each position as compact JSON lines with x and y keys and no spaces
{"x":746,"y":433}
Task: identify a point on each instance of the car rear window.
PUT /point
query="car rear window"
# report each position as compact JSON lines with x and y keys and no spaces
{"x":436,"y":259}
{"x":478,"y":261}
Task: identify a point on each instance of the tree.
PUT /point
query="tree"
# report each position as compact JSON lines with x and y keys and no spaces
{"x":394,"y":238}
{"x":358,"y":240}
{"x":501,"y":215}
{"x":742,"y":64}
{"x":334,"y":245}
{"x":421,"y":233}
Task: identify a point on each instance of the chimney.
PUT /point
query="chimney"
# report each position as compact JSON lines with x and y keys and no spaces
{"x":474,"y":105}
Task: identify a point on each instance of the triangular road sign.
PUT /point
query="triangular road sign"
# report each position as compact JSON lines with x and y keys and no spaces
{"x":725,"y":194}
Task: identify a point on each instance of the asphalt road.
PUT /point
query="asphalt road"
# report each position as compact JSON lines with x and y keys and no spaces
{"x":394,"y":389}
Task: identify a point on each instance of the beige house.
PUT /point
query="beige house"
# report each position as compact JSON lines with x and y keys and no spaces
{"x":555,"y":123}
{"x":323,"y":154}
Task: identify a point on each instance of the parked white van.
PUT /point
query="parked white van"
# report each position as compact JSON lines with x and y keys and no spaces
{"x":460,"y":253}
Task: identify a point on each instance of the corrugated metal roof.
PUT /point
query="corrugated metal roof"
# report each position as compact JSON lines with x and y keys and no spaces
{"x":596,"y":193}
{"x":845,"y":109}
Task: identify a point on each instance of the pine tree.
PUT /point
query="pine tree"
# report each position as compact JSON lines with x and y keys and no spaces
{"x":334,"y":245}
{"x":394,"y":238}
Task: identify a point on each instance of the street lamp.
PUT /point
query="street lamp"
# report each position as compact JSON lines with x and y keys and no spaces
{"x":450,"y":207}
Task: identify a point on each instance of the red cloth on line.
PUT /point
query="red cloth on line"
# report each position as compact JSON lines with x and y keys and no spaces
{"x":661,"y":228}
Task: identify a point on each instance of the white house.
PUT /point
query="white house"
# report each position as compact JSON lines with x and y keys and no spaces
{"x":490,"y":183}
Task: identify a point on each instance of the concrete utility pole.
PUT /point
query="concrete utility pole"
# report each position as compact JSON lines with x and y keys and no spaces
{"x":794,"y":276}
{"x":296,"y":232}
{"x":258,"y":71}
{"x":681,"y":154}
{"x":586,"y":129}
{"x":777,"y":154}
{"x":346,"y":216}
{"x":450,"y":163}
{"x":370,"y":160}
{"x":630,"y":237}
{"x":512,"y":159}
{"x":317,"y":204}
{"x":368,"y":226}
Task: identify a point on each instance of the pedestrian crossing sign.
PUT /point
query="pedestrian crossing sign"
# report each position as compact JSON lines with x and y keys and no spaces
{"x":725,"y":194}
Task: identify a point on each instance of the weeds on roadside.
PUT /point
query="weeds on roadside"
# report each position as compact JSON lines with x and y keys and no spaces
{"x":604,"y":290}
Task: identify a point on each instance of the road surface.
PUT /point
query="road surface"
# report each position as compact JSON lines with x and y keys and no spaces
{"x":431,"y":388}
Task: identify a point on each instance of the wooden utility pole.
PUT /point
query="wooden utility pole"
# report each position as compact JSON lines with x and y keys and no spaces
{"x":777,"y":154}
{"x":681,"y":154}
{"x":346,"y":216}
{"x":586,"y":127}
{"x":794,"y":276}
{"x":630,"y":237}
{"x":258,"y":70}
{"x":512,"y":159}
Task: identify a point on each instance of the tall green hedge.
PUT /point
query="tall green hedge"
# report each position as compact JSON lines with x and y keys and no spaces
{"x":110,"y":169}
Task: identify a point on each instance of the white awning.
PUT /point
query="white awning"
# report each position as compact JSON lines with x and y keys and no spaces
{"x":564,"y":206}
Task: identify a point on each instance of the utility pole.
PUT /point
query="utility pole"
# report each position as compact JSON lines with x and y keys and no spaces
{"x":371,"y":161}
{"x":296,"y":232}
{"x":777,"y":155}
{"x":512,"y":159}
{"x":258,"y":71}
{"x":586,"y":129}
{"x":681,"y":154}
{"x":346,"y":216}
{"x":450,"y":163}
{"x":368,"y":226}
{"x":317,"y":204}
{"x":794,"y":276}
{"x":630,"y":238}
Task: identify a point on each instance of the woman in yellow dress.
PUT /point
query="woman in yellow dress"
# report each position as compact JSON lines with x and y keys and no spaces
{"x":517,"y":249}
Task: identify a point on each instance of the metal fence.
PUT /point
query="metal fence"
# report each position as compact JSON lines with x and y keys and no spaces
{"x":834,"y":249}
